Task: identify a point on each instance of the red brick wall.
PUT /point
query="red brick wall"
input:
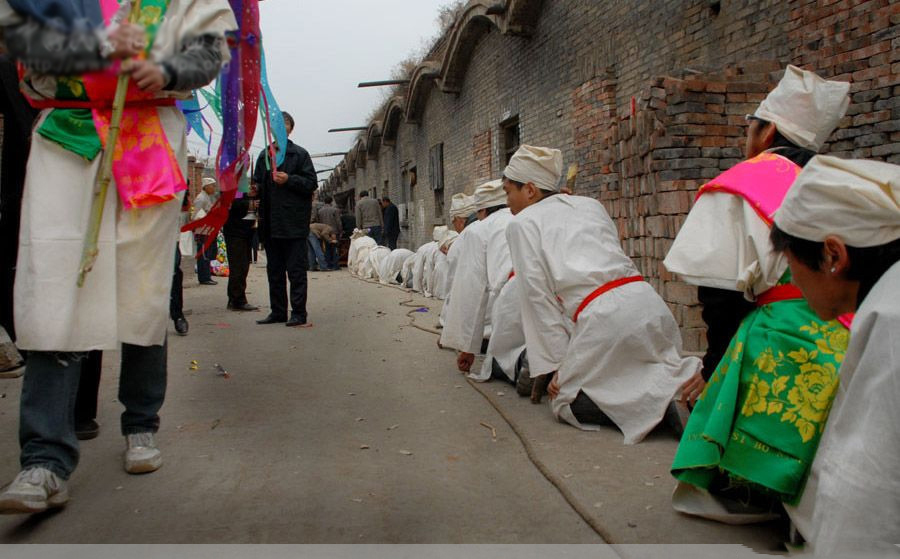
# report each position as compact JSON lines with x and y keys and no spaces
{"x":648,"y":98}
{"x":481,"y":151}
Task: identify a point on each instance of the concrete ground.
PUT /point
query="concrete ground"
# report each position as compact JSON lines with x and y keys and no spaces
{"x":357,"y":430}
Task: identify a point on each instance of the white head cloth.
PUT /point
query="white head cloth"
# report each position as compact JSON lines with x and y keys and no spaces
{"x":209,"y":181}
{"x":854,"y":199}
{"x":490,"y":194}
{"x":438,"y":233}
{"x":462,"y":205}
{"x":805,"y":108}
{"x":541,"y":166}
{"x":448,"y":238}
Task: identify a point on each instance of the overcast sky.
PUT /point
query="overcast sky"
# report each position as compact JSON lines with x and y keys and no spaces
{"x":319,"y":50}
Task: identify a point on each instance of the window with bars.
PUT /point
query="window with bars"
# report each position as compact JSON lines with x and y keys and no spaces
{"x":509,"y":138}
{"x":436,"y":177}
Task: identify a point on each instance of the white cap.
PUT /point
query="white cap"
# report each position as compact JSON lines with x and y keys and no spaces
{"x":448,"y":239}
{"x":208,"y":181}
{"x":438,"y":233}
{"x":805,"y":108}
{"x":461,"y":205}
{"x":490,"y":194}
{"x":541,"y":166}
{"x":854,"y":199}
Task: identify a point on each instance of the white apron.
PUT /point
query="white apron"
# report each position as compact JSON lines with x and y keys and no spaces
{"x":125,"y":298}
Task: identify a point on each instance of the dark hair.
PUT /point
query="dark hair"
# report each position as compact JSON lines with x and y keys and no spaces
{"x":787,"y":148}
{"x":493,"y":209}
{"x":364,"y":193}
{"x":386,"y":199}
{"x":518,"y":184}
{"x":329,"y":199}
{"x":867,"y":265}
{"x":288,"y":118}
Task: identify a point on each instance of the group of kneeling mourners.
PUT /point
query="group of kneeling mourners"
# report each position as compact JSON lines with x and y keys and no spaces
{"x":796,"y":256}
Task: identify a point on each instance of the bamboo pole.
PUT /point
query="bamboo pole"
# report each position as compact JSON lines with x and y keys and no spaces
{"x":104,"y":175}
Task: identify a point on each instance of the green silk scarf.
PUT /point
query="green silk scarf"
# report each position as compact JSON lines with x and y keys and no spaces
{"x":761,"y":416}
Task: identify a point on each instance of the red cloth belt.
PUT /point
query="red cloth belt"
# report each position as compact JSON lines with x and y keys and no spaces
{"x":784,"y":292}
{"x":603,"y":289}
{"x":100,"y":105}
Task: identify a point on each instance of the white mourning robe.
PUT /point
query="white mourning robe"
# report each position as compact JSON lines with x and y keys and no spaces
{"x":125,"y":298}
{"x":428,"y":270}
{"x":372,"y":264}
{"x":853,"y":493}
{"x":452,"y":261}
{"x":392,"y":266}
{"x":359,"y":251}
{"x":625,"y":350}
{"x":507,"y":341}
{"x":419,"y":266}
{"x":724,"y":243}
{"x":406,"y":273}
{"x":441,"y":275}
{"x":483,"y":268}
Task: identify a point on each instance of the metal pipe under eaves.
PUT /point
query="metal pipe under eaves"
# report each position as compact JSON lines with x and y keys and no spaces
{"x":383,"y":83}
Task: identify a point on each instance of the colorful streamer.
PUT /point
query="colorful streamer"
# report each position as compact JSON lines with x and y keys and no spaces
{"x":239,"y":92}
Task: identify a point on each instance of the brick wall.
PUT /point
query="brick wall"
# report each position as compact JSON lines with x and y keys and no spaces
{"x":648,"y":97}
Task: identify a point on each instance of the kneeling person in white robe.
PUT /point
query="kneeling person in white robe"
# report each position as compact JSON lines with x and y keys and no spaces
{"x":441,"y":274}
{"x":589,"y":319}
{"x":392,"y":266}
{"x":483,"y":268}
{"x":461,"y":208}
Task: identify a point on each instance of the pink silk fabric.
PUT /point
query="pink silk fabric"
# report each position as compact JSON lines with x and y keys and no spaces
{"x":145,"y":168}
{"x":762,"y":181}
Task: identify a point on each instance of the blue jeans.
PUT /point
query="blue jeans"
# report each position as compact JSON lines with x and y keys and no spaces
{"x":315,"y":252}
{"x":331,"y":256}
{"x":47,"y":408}
{"x":375,"y":233}
{"x":204,"y":273}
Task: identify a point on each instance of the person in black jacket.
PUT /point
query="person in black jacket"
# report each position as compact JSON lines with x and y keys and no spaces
{"x":238,"y":236}
{"x":391,"y":223}
{"x":285,"y":208}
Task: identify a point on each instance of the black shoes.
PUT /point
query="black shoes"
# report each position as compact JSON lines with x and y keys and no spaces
{"x":271,"y":319}
{"x":181,"y":326}
{"x":296,"y":321}
{"x":209,"y":282}
{"x":87,"y":430}
{"x":242,"y":307}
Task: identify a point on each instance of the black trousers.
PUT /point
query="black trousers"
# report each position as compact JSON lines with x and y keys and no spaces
{"x":238,"y":249}
{"x":176,"y":297}
{"x":88,"y":387}
{"x":390,"y":239}
{"x":287,"y":260}
{"x":723,"y":312}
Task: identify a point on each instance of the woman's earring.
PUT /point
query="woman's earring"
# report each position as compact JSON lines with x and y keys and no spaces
{"x":833,"y":269}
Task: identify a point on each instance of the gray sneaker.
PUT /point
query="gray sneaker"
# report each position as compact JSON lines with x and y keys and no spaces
{"x":34,"y":490}
{"x":141,"y":454}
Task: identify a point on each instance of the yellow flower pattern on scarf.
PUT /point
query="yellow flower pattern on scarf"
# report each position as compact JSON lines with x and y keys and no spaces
{"x":802,"y":399}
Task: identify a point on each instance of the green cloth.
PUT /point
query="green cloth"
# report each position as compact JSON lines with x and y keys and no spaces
{"x":761,"y":416}
{"x":74,"y":129}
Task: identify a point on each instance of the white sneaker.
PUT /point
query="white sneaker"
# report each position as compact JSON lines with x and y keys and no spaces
{"x":34,"y":490}
{"x":141,"y":454}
